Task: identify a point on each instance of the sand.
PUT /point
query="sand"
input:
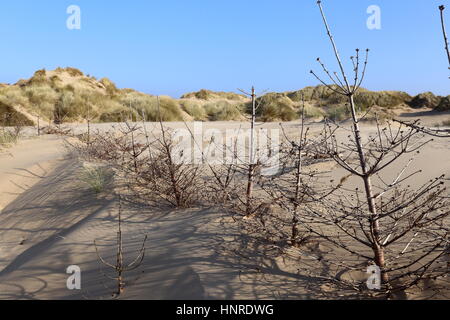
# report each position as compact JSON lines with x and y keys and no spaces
{"x":49,"y":221}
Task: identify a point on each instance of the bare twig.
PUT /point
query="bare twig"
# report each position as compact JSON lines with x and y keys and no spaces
{"x":447,"y":50}
{"x":120,"y":266}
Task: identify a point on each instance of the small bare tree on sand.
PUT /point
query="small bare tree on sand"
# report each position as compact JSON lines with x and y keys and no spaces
{"x":219,"y":178}
{"x":132,"y":160}
{"x":253,"y":163}
{"x":151,"y":168}
{"x":166,"y":175}
{"x":403,"y":232}
{"x":120,"y":266}
{"x":232,"y":181}
{"x":296,"y":185}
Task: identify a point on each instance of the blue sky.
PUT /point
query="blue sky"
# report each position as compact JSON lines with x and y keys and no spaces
{"x":176,"y":46}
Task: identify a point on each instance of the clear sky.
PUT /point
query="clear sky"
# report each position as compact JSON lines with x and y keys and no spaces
{"x":176,"y":46}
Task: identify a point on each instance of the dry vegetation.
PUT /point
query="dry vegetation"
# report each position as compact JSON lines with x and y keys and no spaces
{"x":67,"y":95}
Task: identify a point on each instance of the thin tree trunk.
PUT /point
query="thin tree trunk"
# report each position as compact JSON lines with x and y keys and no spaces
{"x":298,"y":182}
{"x":252,"y":133}
{"x":119,"y":265}
{"x":442,"y":8}
{"x":250,"y":189}
{"x":146,"y":135}
{"x":171,"y":164}
{"x":295,"y":220}
{"x":135,"y":156}
{"x":251,"y":167}
{"x":378,"y":249}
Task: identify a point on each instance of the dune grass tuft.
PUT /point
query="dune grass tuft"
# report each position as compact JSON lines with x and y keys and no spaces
{"x":8,"y":138}
{"x":97,"y":178}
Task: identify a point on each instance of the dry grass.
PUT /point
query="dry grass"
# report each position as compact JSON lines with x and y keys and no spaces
{"x":97,"y":178}
{"x":8,"y":138}
{"x":66,"y":94}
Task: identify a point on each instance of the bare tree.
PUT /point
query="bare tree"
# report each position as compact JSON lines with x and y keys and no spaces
{"x":252,"y":166}
{"x":252,"y":155}
{"x":231,"y":183}
{"x":152,"y":169}
{"x":297,"y":184}
{"x":385,"y":213}
{"x":134,"y":149}
{"x":447,"y":50}
{"x":166,"y":175}
{"x":220,"y":179}
{"x":120,"y":267}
